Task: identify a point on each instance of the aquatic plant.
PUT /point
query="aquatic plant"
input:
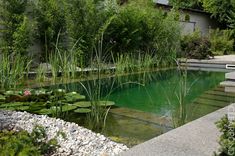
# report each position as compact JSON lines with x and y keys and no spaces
{"x":179,"y":113}
{"x":41,"y":74}
{"x":97,"y":117}
{"x":13,"y":69}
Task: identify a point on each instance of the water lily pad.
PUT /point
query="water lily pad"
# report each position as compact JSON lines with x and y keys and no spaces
{"x":45,"y":111}
{"x":53,"y":109}
{"x":60,"y":91}
{"x":19,"y":108}
{"x":83,"y":104}
{"x":8,"y":108}
{"x":10,"y":92}
{"x":66,"y":108}
{"x":82,"y":110}
{"x":74,"y":97}
{"x":14,"y":104}
{"x":40,"y":91}
{"x":106,"y":103}
{"x":22,"y":108}
{"x":2,"y":98}
{"x":37,"y":106}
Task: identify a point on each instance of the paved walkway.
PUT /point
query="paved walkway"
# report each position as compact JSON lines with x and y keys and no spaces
{"x":197,"y":138}
{"x":229,"y":58}
{"x":216,"y":59}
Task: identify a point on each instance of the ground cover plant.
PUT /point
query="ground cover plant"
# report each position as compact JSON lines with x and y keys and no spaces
{"x":23,"y":143}
{"x":226,"y":141}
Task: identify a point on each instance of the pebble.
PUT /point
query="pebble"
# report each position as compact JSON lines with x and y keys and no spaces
{"x":78,"y":141}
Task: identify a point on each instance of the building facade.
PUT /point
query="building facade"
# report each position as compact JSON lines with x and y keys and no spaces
{"x":191,"y":19}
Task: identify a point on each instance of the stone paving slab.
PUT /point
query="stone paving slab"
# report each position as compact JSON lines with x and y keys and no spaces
{"x":228,"y":83}
{"x":197,"y":138}
{"x":230,"y":76}
{"x":216,"y":59}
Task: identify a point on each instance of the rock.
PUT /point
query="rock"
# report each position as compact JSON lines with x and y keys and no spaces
{"x":45,"y":66}
{"x":78,"y":141}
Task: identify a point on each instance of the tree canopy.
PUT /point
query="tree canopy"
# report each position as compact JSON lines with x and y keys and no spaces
{"x":223,"y":10}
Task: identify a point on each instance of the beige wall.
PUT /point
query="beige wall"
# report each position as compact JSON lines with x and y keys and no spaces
{"x":201,"y":21}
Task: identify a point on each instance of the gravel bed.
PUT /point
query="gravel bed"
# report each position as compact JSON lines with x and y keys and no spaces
{"x":78,"y":141}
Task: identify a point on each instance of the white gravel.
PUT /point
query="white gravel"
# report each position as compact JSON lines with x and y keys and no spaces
{"x":79,"y":141}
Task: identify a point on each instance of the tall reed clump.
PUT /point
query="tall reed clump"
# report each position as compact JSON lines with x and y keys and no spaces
{"x":41,"y":75}
{"x":179,"y":114}
{"x":177,"y":101}
{"x":12,"y":70}
{"x":97,"y":118}
{"x":129,"y":63}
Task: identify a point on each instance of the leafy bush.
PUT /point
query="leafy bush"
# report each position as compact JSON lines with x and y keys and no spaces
{"x":143,"y":30}
{"x":227,"y":139}
{"x":195,"y":46}
{"x":221,"y":41}
{"x":22,"y":143}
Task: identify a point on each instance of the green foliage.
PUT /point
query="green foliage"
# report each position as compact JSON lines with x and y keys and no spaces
{"x":222,"y":41}
{"x":222,"y":10}
{"x":187,"y":17}
{"x":12,"y":70}
{"x":84,"y":18}
{"x":22,"y":143}
{"x":144,"y":29}
{"x":227,"y":141}
{"x":70,"y":29}
{"x":193,"y":4}
{"x":15,"y":26}
{"x":195,"y":46}
{"x":179,"y":113}
{"x":21,"y":37}
{"x":50,"y":17}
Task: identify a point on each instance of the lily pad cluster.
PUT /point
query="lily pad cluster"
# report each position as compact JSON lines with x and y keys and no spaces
{"x":43,"y":101}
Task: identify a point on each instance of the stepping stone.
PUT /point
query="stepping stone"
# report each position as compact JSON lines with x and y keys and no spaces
{"x":230,"y":76}
{"x":228,"y":83}
{"x":143,"y":116}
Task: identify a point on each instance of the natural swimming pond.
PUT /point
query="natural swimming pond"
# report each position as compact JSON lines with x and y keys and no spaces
{"x":149,"y":104}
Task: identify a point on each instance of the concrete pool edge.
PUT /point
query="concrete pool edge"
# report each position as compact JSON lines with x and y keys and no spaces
{"x":199,"y":137}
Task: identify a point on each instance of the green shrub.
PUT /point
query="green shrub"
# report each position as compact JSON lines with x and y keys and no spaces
{"x":227,"y":139}
{"x":194,"y":46}
{"x":143,"y":30}
{"x":221,"y":41}
{"x":22,"y":143}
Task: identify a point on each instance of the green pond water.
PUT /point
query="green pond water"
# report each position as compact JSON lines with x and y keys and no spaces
{"x":148,"y":103}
